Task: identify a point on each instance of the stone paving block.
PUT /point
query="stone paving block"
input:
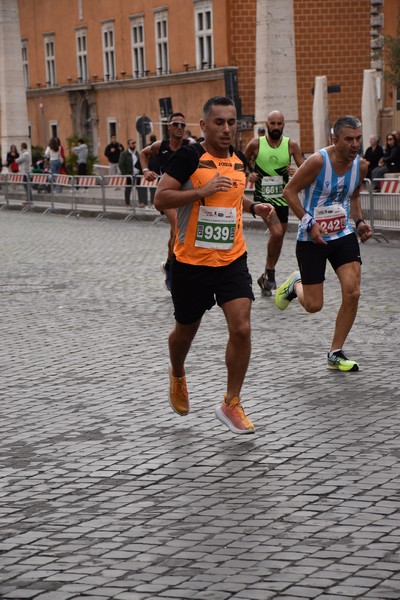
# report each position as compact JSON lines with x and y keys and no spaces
{"x":19,"y":594}
{"x":299,"y":591}
{"x":352,"y":591}
{"x":55,"y":596}
{"x":103,"y":592}
{"x":177,"y":594}
{"x":254,"y":595}
{"x":382,"y":594}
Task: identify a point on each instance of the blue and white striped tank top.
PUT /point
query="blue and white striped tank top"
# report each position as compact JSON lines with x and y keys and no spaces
{"x":331,"y":189}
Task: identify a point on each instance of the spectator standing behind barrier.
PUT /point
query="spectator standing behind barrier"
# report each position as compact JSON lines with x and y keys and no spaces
{"x":390,"y":161}
{"x":63,"y":169}
{"x":188,"y":136}
{"x":373,"y":154}
{"x":24,"y":163}
{"x":53,"y":154}
{"x":113,"y":152}
{"x":129,"y":164}
{"x":271,"y":155}
{"x":11,"y":163}
{"x":81,"y":151}
{"x":329,"y":183}
{"x":163,"y":150}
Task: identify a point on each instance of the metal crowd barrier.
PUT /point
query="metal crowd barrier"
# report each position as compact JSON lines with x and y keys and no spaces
{"x":14,"y":188}
{"x":81,"y":184}
{"x":120,"y":183}
{"x":380,"y":208}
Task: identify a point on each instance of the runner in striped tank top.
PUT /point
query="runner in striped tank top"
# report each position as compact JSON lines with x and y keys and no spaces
{"x":330,"y":185}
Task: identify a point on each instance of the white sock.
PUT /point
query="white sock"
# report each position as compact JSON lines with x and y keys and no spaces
{"x":333,"y":351}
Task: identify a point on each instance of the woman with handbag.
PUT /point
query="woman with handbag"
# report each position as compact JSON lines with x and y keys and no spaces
{"x":12,"y":155}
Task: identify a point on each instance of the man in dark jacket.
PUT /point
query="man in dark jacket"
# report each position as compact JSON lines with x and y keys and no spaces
{"x":113,"y":152}
{"x":129,"y":164}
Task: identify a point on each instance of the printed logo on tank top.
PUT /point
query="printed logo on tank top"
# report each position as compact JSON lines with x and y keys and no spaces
{"x":338,"y":192}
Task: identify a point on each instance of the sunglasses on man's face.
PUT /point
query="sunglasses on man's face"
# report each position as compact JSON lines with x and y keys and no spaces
{"x":178,"y":124}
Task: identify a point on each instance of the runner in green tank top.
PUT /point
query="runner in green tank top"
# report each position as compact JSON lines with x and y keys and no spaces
{"x":270,"y":155}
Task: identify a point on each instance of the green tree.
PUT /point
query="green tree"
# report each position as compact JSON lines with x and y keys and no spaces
{"x":392,"y":58}
{"x":37,"y":154}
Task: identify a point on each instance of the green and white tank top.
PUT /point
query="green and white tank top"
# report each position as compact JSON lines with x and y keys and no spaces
{"x":272,"y":166}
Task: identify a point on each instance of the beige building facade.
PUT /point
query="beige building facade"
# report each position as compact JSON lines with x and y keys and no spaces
{"x":94,"y":68}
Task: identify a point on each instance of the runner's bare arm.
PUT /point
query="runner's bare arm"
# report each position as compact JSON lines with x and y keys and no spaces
{"x":296,"y":153}
{"x":144,"y":156}
{"x":170,"y":195}
{"x":250,"y":153}
{"x":264,"y":210}
{"x":362,"y":229}
{"x":303,"y":177}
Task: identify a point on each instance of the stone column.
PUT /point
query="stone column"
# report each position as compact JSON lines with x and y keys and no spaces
{"x":276,"y":84}
{"x":13,"y":106}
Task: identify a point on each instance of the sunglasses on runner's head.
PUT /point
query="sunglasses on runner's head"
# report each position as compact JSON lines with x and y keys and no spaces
{"x":178,"y":124}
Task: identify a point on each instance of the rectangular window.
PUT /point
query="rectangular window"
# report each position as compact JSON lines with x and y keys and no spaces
{"x":204,"y":35}
{"x":25,"y":64}
{"x":161,"y":24}
{"x":53,"y":129}
{"x":109,"y":52}
{"x":112,"y":127}
{"x":50,"y":58}
{"x":138,"y":48}
{"x":81,"y":55}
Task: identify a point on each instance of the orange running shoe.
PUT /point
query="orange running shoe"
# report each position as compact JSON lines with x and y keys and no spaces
{"x":234,"y":417}
{"x":178,"y":394}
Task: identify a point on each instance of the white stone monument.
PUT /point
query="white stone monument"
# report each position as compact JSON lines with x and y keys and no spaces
{"x":276,"y":87}
{"x":13,"y":106}
{"x":321,"y":119}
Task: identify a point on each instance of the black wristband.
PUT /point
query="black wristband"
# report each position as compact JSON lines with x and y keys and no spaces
{"x":359,"y":221}
{"x":252,"y":207}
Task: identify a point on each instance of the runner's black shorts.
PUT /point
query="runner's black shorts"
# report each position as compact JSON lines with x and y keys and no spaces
{"x":282,"y":212}
{"x":312,"y":257}
{"x":195,"y":288}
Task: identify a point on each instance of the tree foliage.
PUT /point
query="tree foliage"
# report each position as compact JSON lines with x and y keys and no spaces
{"x":392,"y":58}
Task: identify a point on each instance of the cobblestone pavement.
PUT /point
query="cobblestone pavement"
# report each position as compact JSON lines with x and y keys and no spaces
{"x":106,"y":493}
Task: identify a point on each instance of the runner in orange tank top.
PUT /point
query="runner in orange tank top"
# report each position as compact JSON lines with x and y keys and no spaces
{"x":205,"y":183}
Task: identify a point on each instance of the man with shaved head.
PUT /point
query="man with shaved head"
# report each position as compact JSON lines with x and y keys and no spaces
{"x":270,"y":156}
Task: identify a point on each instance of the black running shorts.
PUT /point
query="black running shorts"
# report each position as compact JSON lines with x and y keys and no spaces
{"x":312,"y":257}
{"x":195,"y":289}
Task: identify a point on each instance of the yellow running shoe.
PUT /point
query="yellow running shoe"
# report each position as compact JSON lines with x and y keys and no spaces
{"x":234,"y":417}
{"x":285,"y":293}
{"x":178,"y":394}
{"x":340,"y":362}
